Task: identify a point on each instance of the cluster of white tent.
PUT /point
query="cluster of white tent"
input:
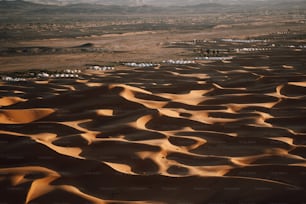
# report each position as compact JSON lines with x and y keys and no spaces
{"x":72,"y":71}
{"x":15,"y":79}
{"x":183,"y":42}
{"x":282,"y":33}
{"x":251,"y":49}
{"x":99,"y":68}
{"x":56,"y":75}
{"x":213,"y":58}
{"x":179,"y":61}
{"x":297,"y":46}
{"x":43,"y":75}
{"x":242,"y":41}
{"x":134,"y":64}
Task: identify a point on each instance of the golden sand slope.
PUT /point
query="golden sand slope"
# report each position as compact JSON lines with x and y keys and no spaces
{"x":7,"y":101}
{"x":218,"y":132}
{"x":23,"y":116}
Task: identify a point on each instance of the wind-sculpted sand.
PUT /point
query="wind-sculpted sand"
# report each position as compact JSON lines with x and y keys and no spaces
{"x":217,"y":132}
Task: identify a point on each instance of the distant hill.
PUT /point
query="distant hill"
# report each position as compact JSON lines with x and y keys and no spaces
{"x":102,"y":2}
{"x":24,"y":7}
{"x":128,"y":7}
{"x":11,"y":7}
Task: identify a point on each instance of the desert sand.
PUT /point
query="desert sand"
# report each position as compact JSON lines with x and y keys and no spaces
{"x":210,"y":132}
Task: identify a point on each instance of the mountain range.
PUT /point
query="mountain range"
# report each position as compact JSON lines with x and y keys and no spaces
{"x":30,"y":7}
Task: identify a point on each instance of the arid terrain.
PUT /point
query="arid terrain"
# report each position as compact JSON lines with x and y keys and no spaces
{"x":146,"y":108}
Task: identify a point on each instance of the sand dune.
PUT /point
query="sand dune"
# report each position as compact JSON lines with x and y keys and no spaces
{"x":23,"y":116}
{"x":7,"y":101}
{"x":204,"y":133}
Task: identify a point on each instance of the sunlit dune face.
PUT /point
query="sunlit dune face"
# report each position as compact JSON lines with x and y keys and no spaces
{"x":7,"y":101}
{"x":302,"y":84}
{"x":288,"y":67}
{"x":23,"y":116}
{"x":105,"y":112}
